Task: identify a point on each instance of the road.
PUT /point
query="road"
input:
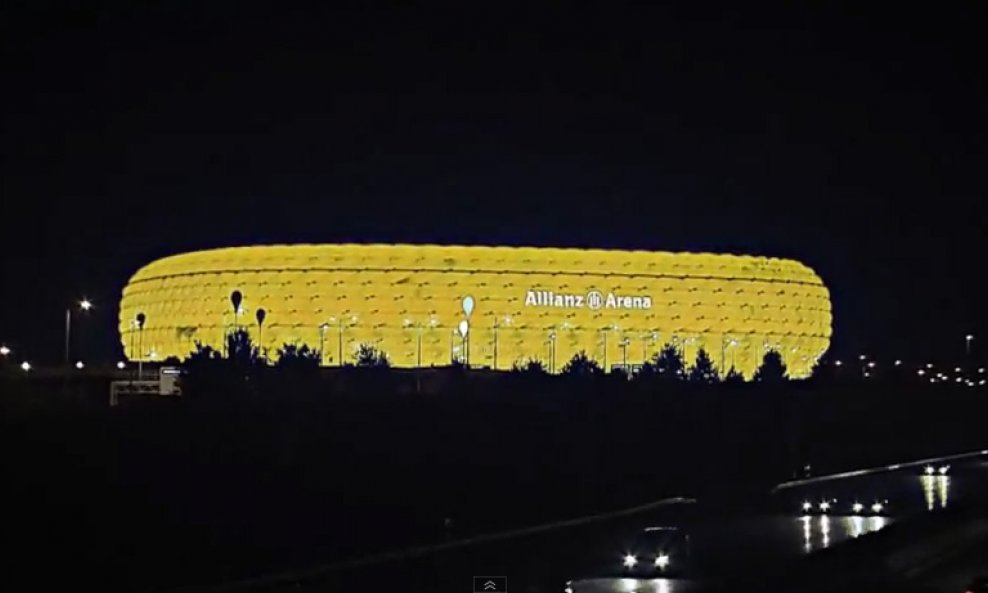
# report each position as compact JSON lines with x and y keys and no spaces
{"x":729,"y":543}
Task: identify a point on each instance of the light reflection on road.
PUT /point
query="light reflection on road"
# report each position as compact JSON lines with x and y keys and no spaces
{"x":822,"y":531}
{"x":635,"y":586}
{"x":935,"y":491}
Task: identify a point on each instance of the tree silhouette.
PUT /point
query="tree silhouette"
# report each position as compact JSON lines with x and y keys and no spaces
{"x":666,"y":364}
{"x":773,"y":370}
{"x":703,"y":370}
{"x":240,"y":350}
{"x":582,"y":365}
{"x":370,"y":357}
{"x":733,"y":377}
{"x":202,"y":353}
{"x":292,"y":357}
{"x":531,"y":366}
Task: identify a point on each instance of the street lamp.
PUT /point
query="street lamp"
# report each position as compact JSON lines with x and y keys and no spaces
{"x":967,"y":344}
{"x":84,"y":305}
{"x":25,"y":366}
{"x":4,"y":351}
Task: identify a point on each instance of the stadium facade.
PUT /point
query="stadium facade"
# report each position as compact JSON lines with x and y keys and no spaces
{"x":410,"y":301}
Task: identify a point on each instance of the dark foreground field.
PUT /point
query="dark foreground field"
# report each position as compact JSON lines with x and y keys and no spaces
{"x":159,"y":494}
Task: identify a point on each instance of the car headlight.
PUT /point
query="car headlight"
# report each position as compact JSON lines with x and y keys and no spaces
{"x":662,"y":560}
{"x":630,"y":561}
{"x":825,"y":506}
{"x":929,"y":470}
{"x":944,"y":469}
{"x":877,"y":507}
{"x":807,"y":506}
{"x":857,"y":507}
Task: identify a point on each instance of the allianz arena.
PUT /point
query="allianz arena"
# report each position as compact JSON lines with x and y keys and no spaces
{"x":518,"y":303}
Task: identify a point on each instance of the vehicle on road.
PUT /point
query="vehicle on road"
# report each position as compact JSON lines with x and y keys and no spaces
{"x":657,"y":551}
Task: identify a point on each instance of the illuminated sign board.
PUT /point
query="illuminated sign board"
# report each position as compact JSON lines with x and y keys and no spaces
{"x":592,"y":300}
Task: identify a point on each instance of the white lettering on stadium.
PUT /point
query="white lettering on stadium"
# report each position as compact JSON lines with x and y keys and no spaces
{"x":592,"y":300}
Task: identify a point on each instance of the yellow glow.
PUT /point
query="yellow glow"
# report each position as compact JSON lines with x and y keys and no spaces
{"x":704,"y":299}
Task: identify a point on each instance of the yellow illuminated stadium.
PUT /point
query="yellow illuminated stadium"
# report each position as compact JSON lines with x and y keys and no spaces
{"x":527,"y":303}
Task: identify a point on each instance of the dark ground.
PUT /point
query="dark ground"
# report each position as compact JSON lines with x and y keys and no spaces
{"x":158,"y":494}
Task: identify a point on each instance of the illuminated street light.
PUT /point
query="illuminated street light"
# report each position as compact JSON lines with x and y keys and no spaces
{"x":807,"y":506}
{"x":857,"y":507}
{"x":4,"y":351}
{"x":877,"y":507}
{"x":837,"y":363}
{"x":967,"y":343}
{"x":871,"y":364}
{"x":928,"y":470}
{"x":630,"y":561}
{"x":957,"y":369}
{"x":121,"y":365}
{"x":920,"y":372}
{"x":84,"y":305}
{"x":825,"y":506}
{"x":862,"y":357}
{"x":898,"y":362}
{"x":79,"y":365}
{"x":25,"y":366}
{"x":929,"y":365}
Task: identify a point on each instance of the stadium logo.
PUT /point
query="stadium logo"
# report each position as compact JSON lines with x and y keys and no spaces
{"x":593,"y":300}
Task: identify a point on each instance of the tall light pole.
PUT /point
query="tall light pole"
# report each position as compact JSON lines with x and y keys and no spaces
{"x":552,"y":351}
{"x":967,"y":344}
{"x":141,"y":320}
{"x":322,"y":343}
{"x":624,"y":348}
{"x":84,"y":305}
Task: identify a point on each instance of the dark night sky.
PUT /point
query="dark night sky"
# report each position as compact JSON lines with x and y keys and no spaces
{"x":854,"y":142}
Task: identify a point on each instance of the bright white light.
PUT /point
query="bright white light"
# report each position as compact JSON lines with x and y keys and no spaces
{"x":877,"y":507}
{"x":857,"y":507}
{"x":662,"y":560}
{"x":981,"y":370}
{"x":807,"y":505}
{"x":838,"y":363}
{"x":929,"y":365}
{"x":825,"y":506}
{"x":920,"y":372}
{"x":871,"y":364}
{"x":862,"y":357}
{"x":944,"y":469}
{"x":928,"y":470}
{"x":957,"y":369}
{"x":79,"y":365}
{"x":25,"y":366}
{"x":85,"y":304}
{"x":630,"y":561}
{"x":121,"y":365}
{"x":464,"y":327}
{"x":959,"y":380}
{"x":4,"y":351}
{"x":898,"y":362}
